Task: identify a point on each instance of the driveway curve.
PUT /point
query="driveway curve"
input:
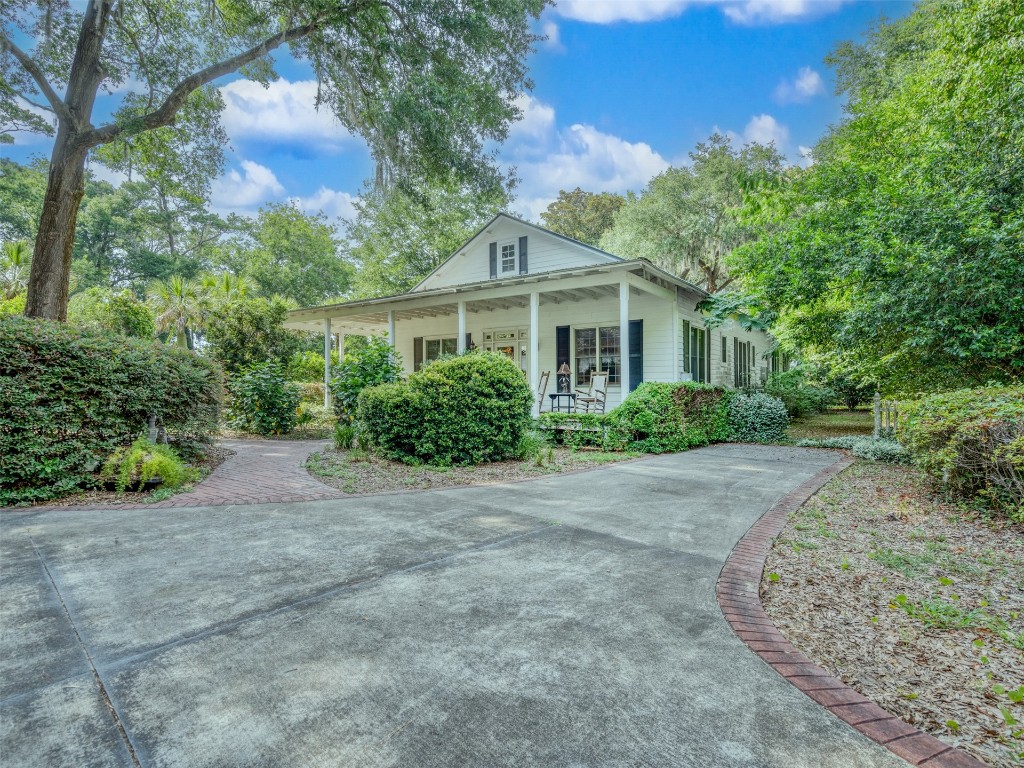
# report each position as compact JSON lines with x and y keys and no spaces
{"x":564,"y":621}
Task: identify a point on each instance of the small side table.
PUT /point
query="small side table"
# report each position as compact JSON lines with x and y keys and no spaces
{"x":563,"y":401}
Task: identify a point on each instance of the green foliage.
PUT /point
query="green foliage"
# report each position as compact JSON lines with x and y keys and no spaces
{"x":180,"y":306}
{"x":576,"y":430}
{"x":244,"y":333}
{"x":315,"y":418}
{"x":344,"y":435}
{"x":881,"y":449}
{"x":100,"y":309}
{"x":375,"y":362}
{"x":131,"y":467}
{"x":455,"y":411}
{"x":757,"y":418}
{"x":661,"y":417}
{"x":972,"y":441}
{"x":685,"y":220}
{"x":69,"y":398}
{"x":583,"y":216}
{"x":899,"y":249}
{"x":800,"y":396}
{"x":15,"y":262}
{"x":13,"y":306}
{"x":400,"y":235}
{"x":263,"y":401}
{"x":309,"y":366}
{"x":724,"y":306}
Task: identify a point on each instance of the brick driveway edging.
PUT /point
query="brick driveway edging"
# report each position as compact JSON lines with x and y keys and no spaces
{"x":738,"y":592}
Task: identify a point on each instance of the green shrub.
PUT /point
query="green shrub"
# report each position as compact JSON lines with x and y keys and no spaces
{"x":101,"y":309}
{"x":263,"y":401}
{"x":661,"y":417}
{"x":13,"y":306}
{"x":344,"y":435}
{"x":456,"y":411}
{"x":757,"y":418}
{"x":69,"y":398}
{"x":370,"y":364}
{"x":315,"y":418}
{"x":881,"y":449}
{"x":972,"y":441}
{"x":801,"y":397}
{"x":248,"y":332}
{"x":309,"y":366}
{"x":133,"y":466}
{"x":576,"y":430}
{"x":310,"y":391}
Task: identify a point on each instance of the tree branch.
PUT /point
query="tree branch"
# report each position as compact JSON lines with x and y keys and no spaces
{"x":164,"y":114}
{"x":59,"y":107}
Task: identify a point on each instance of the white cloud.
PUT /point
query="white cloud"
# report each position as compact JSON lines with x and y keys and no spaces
{"x":284,"y":111}
{"x":740,"y":11}
{"x":805,"y":86}
{"x":806,"y":156}
{"x":548,"y":158}
{"x":241,"y":192}
{"x":333,"y":203}
{"x":551,"y":31}
{"x":765,"y":129}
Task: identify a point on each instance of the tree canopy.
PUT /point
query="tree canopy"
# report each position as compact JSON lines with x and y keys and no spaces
{"x":686,"y":221}
{"x":583,"y":216}
{"x":425,"y":82}
{"x":899,"y":251}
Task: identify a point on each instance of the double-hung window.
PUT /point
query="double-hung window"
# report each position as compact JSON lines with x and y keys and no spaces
{"x":508,"y":258}
{"x":598,"y":350}
{"x":435,"y":348}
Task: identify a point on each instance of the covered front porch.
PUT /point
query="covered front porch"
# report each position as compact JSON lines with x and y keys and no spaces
{"x":585,"y":318}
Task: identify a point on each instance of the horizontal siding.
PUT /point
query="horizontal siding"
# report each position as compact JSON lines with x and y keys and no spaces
{"x":545,"y":253}
{"x":722,"y":372}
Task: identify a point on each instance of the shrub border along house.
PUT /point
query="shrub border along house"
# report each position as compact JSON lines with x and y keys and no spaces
{"x":69,"y":399}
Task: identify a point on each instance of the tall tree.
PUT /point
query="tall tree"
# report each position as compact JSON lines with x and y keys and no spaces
{"x":398,"y":237}
{"x":899,"y":252}
{"x":686,"y":220}
{"x":583,"y":216}
{"x":180,"y":305}
{"x":424,"y":82}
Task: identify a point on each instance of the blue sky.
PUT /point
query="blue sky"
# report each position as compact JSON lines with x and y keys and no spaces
{"x":623,"y":88}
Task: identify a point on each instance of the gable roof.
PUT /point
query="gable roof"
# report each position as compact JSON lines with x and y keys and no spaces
{"x":609,"y":257}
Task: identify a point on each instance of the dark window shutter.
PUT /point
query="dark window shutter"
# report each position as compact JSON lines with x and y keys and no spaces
{"x":707,"y":357}
{"x":636,"y":353}
{"x":725,"y":348}
{"x":417,"y":353}
{"x":562,"y":352}
{"x":469,"y":341}
{"x":523,"y":267}
{"x":735,"y":361}
{"x":686,"y":346}
{"x":494,"y":260}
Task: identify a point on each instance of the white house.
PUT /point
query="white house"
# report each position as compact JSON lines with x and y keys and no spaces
{"x":544,"y":299}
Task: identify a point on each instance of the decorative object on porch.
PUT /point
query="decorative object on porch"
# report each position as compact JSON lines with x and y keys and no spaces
{"x":542,"y":389}
{"x":594,"y":399}
{"x":564,"y":378}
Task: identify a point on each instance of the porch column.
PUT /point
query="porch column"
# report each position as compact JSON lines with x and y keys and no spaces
{"x":624,"y":336}
{"x":533,"y":364}
{"x":676,"y":367}
{"x":462,"y":328}
{"x":327,"y":362}
{"x":341,"y":347}
{"x":391,"y":328}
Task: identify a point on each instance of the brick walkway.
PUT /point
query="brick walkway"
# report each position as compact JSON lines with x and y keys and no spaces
{"x":261,"y":471}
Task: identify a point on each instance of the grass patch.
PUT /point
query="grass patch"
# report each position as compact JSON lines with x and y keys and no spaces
{"x":832,"y":423}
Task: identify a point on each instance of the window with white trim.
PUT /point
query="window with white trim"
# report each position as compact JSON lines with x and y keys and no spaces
{"x":598,"y":350}
{"x":438,"y":347}
{"x":508,"y":258}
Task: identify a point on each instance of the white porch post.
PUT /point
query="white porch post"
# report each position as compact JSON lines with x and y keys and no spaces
{"x":624,"y":335}
{"x":676,"y":367}
{"x":461,"y":341}
{"x":533,"y":364}
{"x":391,"y":328}
{"x":341,"y":347}
{"x":327,"y":362}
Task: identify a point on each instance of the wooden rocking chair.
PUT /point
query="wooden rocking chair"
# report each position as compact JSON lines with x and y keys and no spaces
{"x":593,"y":400}
{"x":542,"y":390}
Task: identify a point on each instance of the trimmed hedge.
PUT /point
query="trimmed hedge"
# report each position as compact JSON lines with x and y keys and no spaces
{"x":971,"y":441}
{"x":69,"y":398}
{"x":663,"y":417}
{"x":456,"y":411}
{"x":757,"y":418}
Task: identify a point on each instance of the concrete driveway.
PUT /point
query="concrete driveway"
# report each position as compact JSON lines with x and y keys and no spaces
{"x":567,"y":621}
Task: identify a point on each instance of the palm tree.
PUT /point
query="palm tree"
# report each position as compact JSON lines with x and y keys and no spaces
{"x":226,"y":288}
{"x":181,"y":306}
{"x":14,"y":267}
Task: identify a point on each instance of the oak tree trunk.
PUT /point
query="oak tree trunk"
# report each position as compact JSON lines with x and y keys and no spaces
{"x":51,"y":260}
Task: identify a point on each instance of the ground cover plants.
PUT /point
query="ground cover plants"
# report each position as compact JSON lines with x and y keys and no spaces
{"x":913,"y":601}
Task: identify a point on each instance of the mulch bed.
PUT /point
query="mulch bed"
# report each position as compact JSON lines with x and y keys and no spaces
{"x":359,"y":472}
{"x":212,"y":458}
{"x":914,"y":602}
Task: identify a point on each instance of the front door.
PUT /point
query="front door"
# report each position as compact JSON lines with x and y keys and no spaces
{"x":513,"y":343}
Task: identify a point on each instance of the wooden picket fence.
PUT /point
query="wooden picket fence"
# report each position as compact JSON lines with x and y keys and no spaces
{"x":886,"y":413}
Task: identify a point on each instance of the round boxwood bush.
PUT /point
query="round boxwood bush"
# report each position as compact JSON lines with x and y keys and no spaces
{"x":659,"y":417}
{"x":456,"y":411}
{"x":757,"y":418}
{"x":263,"y":401}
